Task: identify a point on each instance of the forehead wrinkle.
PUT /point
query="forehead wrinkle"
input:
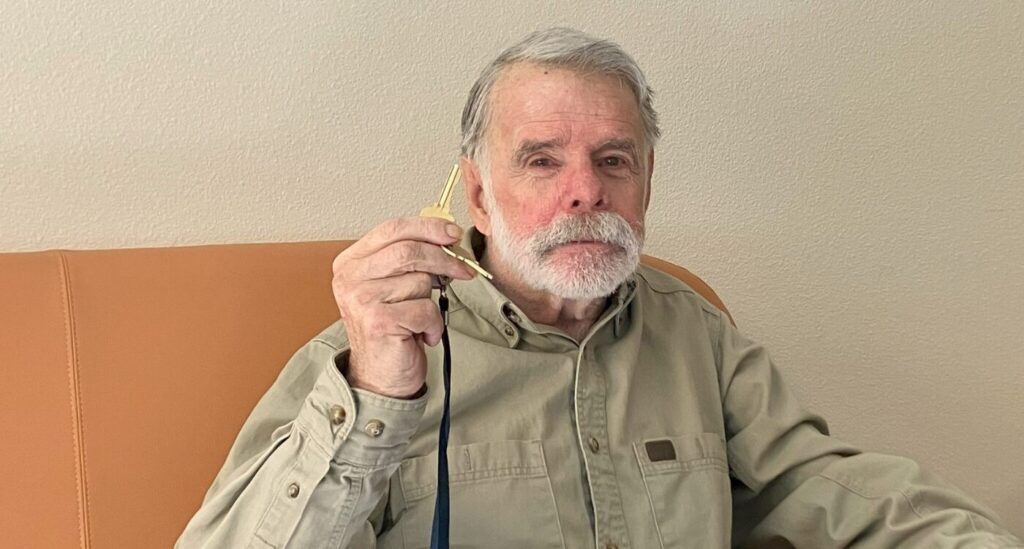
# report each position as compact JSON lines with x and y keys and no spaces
{"x":548,"y":109}
{"x":564,"y":106}
{"x":603,"y":135}
{"x":595,"y":115}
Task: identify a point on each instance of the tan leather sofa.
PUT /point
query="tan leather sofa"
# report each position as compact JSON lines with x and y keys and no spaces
{"x":126,"y":374}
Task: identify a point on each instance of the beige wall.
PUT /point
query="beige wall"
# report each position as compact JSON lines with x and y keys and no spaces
{"x":849,"y":177}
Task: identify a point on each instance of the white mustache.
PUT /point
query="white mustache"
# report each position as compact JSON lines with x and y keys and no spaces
{"x":605,"y":227}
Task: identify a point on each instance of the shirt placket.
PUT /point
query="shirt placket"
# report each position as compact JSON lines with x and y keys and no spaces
{"x":592,"y":434}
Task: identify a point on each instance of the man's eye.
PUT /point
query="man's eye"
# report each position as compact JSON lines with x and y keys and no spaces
{"x":613,"y":162}
{"x":541,"y":162}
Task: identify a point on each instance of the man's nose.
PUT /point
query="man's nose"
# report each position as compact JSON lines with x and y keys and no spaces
{"x":584,"y":190}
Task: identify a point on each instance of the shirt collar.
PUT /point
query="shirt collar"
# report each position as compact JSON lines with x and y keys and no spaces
{"x":485,"y":300}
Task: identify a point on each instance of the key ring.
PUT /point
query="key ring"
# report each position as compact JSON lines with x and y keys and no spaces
{"x":439,"y":282}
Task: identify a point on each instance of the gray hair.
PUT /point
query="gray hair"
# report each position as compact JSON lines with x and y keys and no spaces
{"x":565,"y":48}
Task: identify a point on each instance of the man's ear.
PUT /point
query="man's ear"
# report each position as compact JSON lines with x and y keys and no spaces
{"x":647,"y":184}
{"x":474,"y":187}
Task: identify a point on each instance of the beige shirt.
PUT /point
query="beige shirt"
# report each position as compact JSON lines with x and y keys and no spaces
{"x":663,"y":427}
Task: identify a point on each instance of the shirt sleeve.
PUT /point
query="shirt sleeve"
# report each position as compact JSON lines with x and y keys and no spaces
{"x":794,"y":485}
{"x":311,"y":465}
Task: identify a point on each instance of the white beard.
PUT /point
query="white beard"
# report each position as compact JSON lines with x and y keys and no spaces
{"x":591,"y":274}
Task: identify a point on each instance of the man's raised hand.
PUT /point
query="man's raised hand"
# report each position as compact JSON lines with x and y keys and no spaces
{"x":382,"y":286}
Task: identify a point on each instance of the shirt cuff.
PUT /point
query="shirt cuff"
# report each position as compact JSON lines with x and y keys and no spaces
{"x":356,"y":426}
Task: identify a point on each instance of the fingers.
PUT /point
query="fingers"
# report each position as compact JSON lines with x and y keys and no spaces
{"x":408,"y":257}
{"x":398,"y":306}
{"x":382,"y":285}
{"x":405,"y":319}
{"x":423,"y":229}
{"x":404,"y":287}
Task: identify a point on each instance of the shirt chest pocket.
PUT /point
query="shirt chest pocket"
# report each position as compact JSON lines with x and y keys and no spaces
{"x":687,"y":482}
{"x":500,"y":497}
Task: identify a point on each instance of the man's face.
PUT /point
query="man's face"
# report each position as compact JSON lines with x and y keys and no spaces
{"x":569,"y":179}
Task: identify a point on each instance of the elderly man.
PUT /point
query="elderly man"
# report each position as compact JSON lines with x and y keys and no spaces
{"x":595,"y":402}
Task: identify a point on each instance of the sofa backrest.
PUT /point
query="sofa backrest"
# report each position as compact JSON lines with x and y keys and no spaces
{"x":125,"y":376}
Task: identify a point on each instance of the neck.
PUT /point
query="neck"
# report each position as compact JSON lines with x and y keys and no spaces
{"x":573,"y":316}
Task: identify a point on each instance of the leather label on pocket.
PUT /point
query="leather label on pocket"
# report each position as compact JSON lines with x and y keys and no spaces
{"x":660,"y":450}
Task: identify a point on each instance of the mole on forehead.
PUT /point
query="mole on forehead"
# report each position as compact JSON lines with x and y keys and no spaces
{"x":523,"y":75}
{"x":523,"y":69}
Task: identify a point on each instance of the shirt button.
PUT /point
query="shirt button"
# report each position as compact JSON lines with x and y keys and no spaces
{"x":509,"y":331}
{"x":594,"y":444}
{"x":375,"y":428}
{"x":337,"y":415}
{"x":293,"y":490}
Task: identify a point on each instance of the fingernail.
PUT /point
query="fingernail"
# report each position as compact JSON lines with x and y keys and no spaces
{"x":453,"y":230}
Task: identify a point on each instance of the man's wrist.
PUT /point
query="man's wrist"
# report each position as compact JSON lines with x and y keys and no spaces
{"x":341,"y":361}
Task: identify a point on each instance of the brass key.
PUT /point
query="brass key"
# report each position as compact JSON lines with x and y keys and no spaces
{"x":441,"y":209}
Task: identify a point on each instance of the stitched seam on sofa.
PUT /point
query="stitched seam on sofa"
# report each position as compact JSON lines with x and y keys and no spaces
{"x":77,"y":423}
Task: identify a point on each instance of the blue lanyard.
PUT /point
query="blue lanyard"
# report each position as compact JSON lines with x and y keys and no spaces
{"x":439,"y":532}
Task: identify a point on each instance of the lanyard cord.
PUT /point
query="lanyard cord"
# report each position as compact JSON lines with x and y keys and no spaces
{"x":439,"y":531}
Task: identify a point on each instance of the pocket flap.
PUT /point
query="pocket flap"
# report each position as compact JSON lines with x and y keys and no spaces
{"x":684,"y":452}
{"x":471,"y":462}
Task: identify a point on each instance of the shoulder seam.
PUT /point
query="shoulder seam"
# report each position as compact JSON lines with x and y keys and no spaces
{"x":683,"y":288}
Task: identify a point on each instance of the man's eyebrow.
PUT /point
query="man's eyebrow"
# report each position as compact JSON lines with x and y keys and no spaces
{"x":530,"y":146}
{"x":625,"y":145}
